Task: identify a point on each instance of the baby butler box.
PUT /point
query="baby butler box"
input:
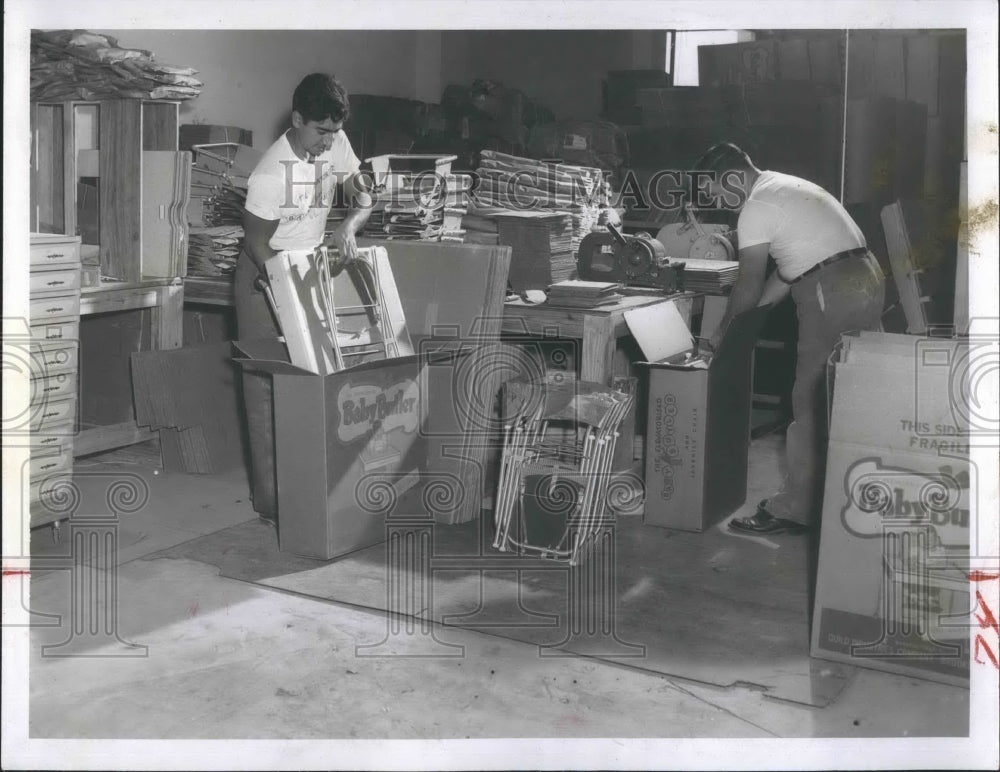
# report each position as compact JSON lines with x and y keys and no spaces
{"x":698,"y":417}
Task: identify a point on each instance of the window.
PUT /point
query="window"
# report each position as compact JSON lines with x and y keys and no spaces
{"x":686,"y":44}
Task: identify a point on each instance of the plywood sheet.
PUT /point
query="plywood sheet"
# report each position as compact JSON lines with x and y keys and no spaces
{"x":121,"y":189}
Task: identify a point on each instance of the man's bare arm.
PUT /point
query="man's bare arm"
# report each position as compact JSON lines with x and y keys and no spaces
{"x":257,"y":235}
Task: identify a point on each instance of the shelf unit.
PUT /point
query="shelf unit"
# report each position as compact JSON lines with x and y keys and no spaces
{"x":111,"y":173}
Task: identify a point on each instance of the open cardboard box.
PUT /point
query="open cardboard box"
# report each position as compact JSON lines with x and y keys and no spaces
{"x":347,"y":445}
{"x":698,"y":418}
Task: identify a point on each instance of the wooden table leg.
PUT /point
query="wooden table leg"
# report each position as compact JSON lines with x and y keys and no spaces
{"x":597,"y":357}
{"x":167,"y":318}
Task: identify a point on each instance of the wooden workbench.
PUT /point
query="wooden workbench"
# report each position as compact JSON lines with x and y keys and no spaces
{"x":165,"y":300}
{"x":599,"y":329}
{"x":210,"y":291}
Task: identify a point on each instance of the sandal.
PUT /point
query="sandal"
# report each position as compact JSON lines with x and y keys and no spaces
{"x":763,"y":522}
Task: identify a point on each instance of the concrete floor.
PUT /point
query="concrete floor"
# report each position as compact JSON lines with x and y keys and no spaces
{"x":227,"y":659}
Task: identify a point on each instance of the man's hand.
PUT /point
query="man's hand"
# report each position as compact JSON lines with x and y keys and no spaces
{"x":343,"y":241}
{"x":711,"y":345}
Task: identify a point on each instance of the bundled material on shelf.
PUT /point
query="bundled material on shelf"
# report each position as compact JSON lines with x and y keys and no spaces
{"x":220,"y":174}
{"x":76,"y":64}
{"x":419,"y":199}
{"x":214,"y":251}
{"x":541,"y":247}
{"x":480,"y":229}
{"x":712,"y":277}
{"x":559,"y":443}
{"x":524,"y":184}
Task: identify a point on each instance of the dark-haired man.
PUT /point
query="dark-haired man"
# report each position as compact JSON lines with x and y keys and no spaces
{"x":837,"y":285}
{"x":288,"y":201}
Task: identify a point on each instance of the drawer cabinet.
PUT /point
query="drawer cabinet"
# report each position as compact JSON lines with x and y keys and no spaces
{"x":54,"y":318}
{"x":64,"y":280}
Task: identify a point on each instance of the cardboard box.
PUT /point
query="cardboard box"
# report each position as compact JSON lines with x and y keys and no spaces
{"x":364,"y":443}
{"x":698,"y":420}
{"x":335,"y":436}
{"x":892,"y":587}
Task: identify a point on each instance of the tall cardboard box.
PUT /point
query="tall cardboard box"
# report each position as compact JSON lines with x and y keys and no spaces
{"x":698,"y":419}
{"x":892,"y":588}
{"x":355,"y":446}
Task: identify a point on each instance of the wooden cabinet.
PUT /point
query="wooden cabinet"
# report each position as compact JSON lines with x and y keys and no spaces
{"x":54,"y":319}
{"x":110,"y":172}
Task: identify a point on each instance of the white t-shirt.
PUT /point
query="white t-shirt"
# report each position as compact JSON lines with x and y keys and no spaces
{"x":299,"y":194}
{"x":801,"y":221}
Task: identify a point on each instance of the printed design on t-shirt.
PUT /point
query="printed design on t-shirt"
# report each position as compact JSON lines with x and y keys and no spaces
{"x":306,"y":195}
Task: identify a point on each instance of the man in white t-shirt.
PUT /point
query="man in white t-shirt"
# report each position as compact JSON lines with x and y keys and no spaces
{"x":837,"y":286}
{"x":288,"y":200}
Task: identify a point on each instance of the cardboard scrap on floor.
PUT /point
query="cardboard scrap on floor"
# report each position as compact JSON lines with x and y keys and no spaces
{"x":190,"y":395}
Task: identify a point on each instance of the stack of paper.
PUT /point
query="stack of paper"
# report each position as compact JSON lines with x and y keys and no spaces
{"x":541,"y":247}
{"x":219,"y":178}
{"x":524,"y":184}
{"x":583,"y":294}
{"x":428,"y":208}
{"x":712,"y":277}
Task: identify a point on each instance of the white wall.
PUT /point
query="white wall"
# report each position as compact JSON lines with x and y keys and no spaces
{"x":249,"y":75}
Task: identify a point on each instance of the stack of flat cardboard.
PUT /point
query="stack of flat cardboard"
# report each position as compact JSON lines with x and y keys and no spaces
{"x":712,"y":277}
{"x":541,"y":247}
{"x":480,"y":229}
{"x":575,"y":293}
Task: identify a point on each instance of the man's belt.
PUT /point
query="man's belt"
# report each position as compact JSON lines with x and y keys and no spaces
{"x":856,"y":252}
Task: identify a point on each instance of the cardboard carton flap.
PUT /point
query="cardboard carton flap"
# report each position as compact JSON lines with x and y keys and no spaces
{"x":660,"y":331}
{"x":266,"y":355}
{"x":271,"y":356}
{"x":662,"y":334}
{"x":742,"y":332}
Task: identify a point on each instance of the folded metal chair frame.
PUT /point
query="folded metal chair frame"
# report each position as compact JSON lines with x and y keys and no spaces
{"x":567,"y":429}
{"x":383,"y":333}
